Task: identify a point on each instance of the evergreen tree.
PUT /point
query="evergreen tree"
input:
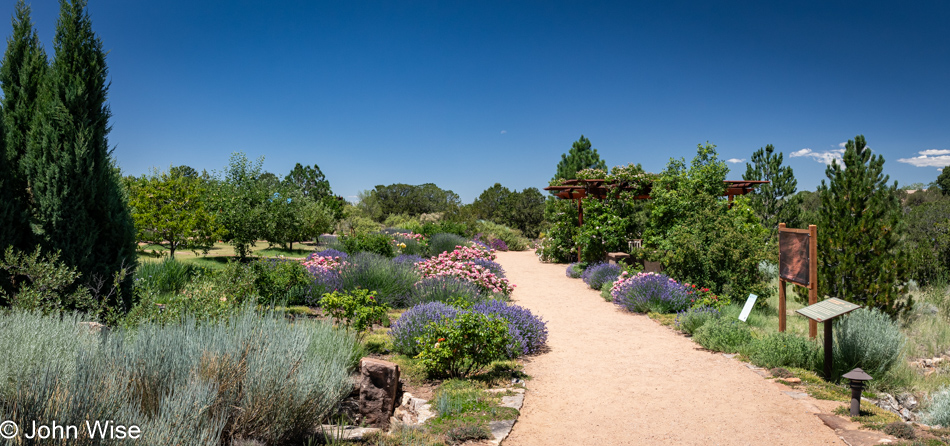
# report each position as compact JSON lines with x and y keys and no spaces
{"x":860,"y":257}
{"x":775,"y":201}
{"x":23,"y":67}
{"x":78,"y":199}
{"x":580,"y":157}
{"x":943,"y":181}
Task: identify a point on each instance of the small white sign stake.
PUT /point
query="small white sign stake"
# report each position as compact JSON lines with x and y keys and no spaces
{"x":749,"y":303}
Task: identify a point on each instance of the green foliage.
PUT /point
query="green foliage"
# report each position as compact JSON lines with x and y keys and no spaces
{"x":492,"y":203}
{"x":42,"y":282}
{"x":251,"y":377}
{"x":457,"y":347}
{"x":605,"y":291}
{"x":166,"y":277}
{"x":580,"y":157}
{"x":79,"y":206}
{"x":723,"y":335}
{"x":900,"y":429}
{"x":943,"y":181}
{"x":390,"y":280}
{"x":239,"y":199}
{"x":412,"y":200}
{"x":171,"y":211}
{"x":357,"y":309}
{"x":525,"y":211}
{"x":354,"y":222}
{"x":868,"y":339}
{"x":785,"y":350}
{"x":774,"y":202}
{"x":444,"y":242}
{"x":33,"y":342}
{"x":860,"y":255}
{"x":377,"y":243}
{"x":310,"y":181}
{"x":21,"y":72}
{"x":720,"y":248}
{"x":680,"y":193}
{"x":609,"y":224}
{"x":928,"y":240}
{"x":512,"y":237}
{"x":201,"y":300}
{"x":281,"y":281}
{"x":690,"y":320}
{"x":938,"y":408}
{"x":557,"y":244}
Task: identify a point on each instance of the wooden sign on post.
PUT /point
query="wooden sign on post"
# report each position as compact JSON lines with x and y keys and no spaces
{"x":797,"y":263}
{"x":824,"y":312}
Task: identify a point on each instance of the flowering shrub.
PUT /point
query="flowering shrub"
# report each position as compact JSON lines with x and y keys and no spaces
{"x":691,"y":319}
{"x":525,"y":328}
{"x":468,"y":253}
{"x":574,"y":270}
{"x":408,"y":329}
{"x":392,"y":281}
{"x":498,"y":245}
{"x":446,"y":289}
{"x":329,"y":253}
{"x":319,"y":263}
{"x":650,"y":292}
{"x":410,"y":243}
{"x":598,"y":274}
{"x":704,"y":297}
{"x":459,"y":346}
{"x":495,"y":267}
{"x":440,"y":243}
{"x":358,"y":309}
{"x":470,"y":271}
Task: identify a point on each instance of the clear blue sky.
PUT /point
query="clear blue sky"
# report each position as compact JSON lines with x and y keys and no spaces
{"x":468,"y":94}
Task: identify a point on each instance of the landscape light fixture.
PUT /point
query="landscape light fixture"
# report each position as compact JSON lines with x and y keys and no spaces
{"x":857,"y":378}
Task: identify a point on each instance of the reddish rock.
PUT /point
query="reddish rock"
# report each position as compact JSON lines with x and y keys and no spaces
{"x":379,"y":387}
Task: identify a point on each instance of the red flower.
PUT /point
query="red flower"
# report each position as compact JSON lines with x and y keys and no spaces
{"x":441,"y":339}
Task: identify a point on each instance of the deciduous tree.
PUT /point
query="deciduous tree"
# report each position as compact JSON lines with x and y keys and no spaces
{"x":171,"y":211}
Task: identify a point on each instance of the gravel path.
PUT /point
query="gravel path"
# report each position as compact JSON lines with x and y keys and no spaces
{"x":616,"y":378}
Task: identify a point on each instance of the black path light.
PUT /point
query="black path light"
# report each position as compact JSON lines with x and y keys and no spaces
{"x":857,"y":378}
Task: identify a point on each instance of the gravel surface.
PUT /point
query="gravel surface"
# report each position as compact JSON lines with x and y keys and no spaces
{"x":616,"y":378}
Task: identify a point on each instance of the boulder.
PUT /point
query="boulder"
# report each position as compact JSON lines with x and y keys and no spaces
{"x":379,"y":388}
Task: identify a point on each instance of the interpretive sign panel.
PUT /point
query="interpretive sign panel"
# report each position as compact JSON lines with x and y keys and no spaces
{"x":749,"y":303}
{"x":827,"y":309}
{"x":793,"y":263}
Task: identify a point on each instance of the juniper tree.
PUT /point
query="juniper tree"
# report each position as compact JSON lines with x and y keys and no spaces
{"x":774,"y":202}
{"x":24,"y":64}
{"x":79,"y":203}
{"x":860,"y":257}
{"x":580,"y":157}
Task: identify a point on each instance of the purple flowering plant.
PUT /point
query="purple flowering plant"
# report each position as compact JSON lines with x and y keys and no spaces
{"x":650,"y":292}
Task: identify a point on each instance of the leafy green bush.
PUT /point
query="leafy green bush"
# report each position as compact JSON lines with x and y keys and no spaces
{"x":377,"y":243}
{"x":868,"y":339}
{"x":42,"y":282}
{"x":251,"y":377}
{"x":358,"y":309}
{"x":459,"y":346}
{"x":445,"y":242}
{"x":392,"y":281}
{"x":201,"y":300}
{"x":557,"y":243}
{"x":723,"y":335}
{"x":785,"y":350}
{"x":430,"y":229}
{"x":690,"y":320}
{"x":938,"y":408}
{"x":605,"y":291}
{"x":165,"y":277}
{"x":281,"y":281}
{"x":512,"y":237}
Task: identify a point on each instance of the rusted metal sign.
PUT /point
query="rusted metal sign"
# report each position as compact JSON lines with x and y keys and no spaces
{"x":793,"y":264}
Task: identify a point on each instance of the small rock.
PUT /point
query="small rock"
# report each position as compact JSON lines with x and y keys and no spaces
{"x":907,"y":400}
{"x":792,"y":380}
{"x":379,"y":384}
{"x":906,"y":414}
{"x":928,"y":362}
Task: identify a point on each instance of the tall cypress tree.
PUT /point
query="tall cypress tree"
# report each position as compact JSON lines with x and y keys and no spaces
{"x":23,"y":67}
{"x":774,"y":202}
{"x":79,"y":203}
{"x":860,"y":258}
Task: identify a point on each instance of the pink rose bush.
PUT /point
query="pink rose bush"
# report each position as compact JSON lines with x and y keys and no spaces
{"x":461,"y":263}
{"x":318,"y":265}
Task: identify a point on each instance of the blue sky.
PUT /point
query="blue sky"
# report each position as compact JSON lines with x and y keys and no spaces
{"x":466,"y":94}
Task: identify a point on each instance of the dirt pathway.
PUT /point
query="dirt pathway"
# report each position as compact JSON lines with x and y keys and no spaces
{"x":616,"y":378}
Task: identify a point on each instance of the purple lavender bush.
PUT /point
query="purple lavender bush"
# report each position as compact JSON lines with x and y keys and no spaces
{"x":574,"y":270}
{"x":445,"y":289}
{"x":499,"y":245}
{"x":598,"y":274}
{"x":527,"y":330}
{"x":323,"y":282}
{"x":407,"y":330}
{"x":408,"y":258}
{"x":651,"y":292}
{"x":492,"y":266}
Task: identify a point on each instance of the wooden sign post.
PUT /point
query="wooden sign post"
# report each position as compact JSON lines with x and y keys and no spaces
{"x":825,"y":312}
{"x":797,"y":263}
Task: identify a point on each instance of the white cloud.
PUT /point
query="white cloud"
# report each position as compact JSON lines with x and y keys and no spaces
{"x":504,"y":131}
{"x":842,"y":144}
{"x":929,"y":158}
{"x":821,"y":157}
{"x":735,"y":160}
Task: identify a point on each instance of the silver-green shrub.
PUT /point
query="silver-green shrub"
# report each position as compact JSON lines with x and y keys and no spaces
{"x":248,"y":376}
{"x":868,"y":339}
{"x":938,"y":408}
{"x":32,"y":342}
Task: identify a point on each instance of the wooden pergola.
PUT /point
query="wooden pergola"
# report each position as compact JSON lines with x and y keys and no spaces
{"x":601,"y":189}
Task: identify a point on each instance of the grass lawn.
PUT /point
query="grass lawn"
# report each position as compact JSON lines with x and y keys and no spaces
{"x":221,"y":253}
